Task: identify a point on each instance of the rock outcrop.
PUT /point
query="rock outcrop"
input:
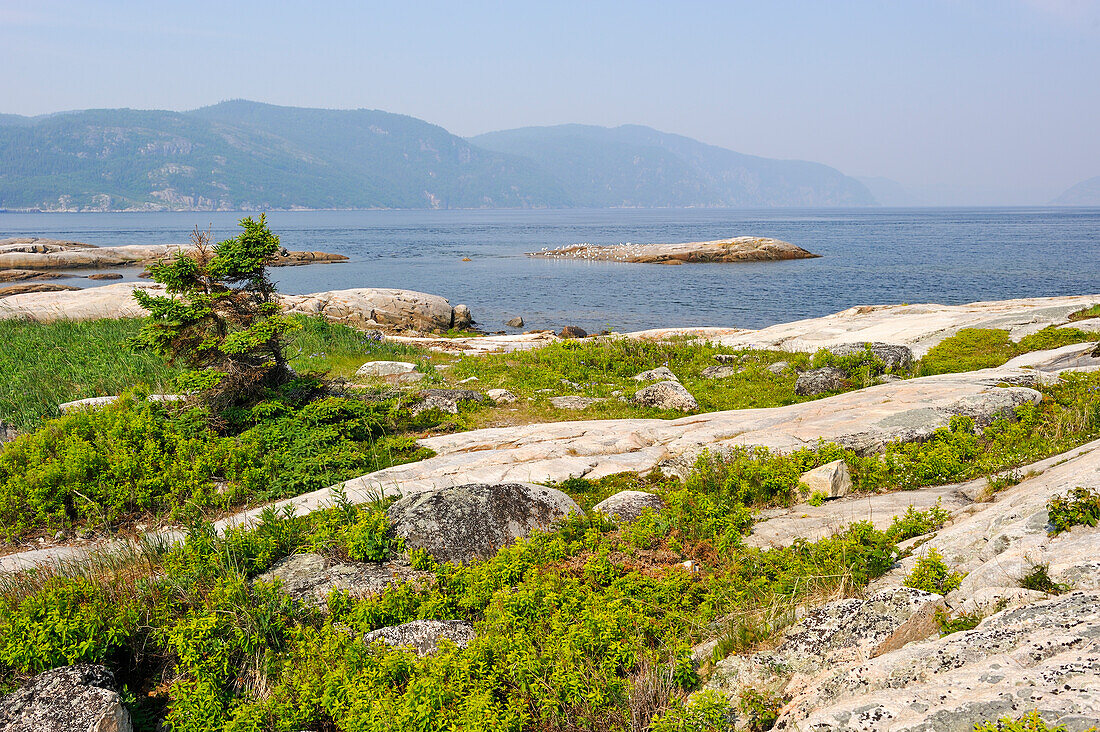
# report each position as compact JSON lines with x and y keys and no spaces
{"x":892,"y":356}
{"x":423,"y":636}
{"x":830,"y":480}
{"x":737,"y":249}
{"x":360,"y":308}
{"x":448,"y":401}
{"x":21,"y":275}
{"x":571,"y":401}
{"x":474,"y":521}
{"x":37,"y":253}
{"x":391,"y":372}
{"x":627,"y":506}
{"x":312,"y":577}
{"x":81,"y":698}
{"x":820,"y":381}
{"x":31,"y":287}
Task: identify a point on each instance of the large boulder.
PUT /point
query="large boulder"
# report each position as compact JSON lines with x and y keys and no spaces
{"x":81,"y":698}
{"x":474,"y":521}
{"x":831,"y":480}
{"x":448,"y":401}
{"x":391,"y":372}
{"x":1044,"y":656}
{"x":377,"y":307}
{"x":423,"y":636}
{"x":893,"y":356}
{"x":310,"y":578}
{"x":627,"y":506}
{"x":666,"y":395}
{"x":820,"y":381}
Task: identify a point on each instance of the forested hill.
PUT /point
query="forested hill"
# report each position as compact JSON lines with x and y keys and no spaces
{"x":246,"y":155}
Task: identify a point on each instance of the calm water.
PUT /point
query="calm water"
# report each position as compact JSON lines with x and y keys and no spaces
{"x":871,"y":256}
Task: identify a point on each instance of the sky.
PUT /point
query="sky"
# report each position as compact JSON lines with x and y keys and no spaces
{"x":983,"y":101}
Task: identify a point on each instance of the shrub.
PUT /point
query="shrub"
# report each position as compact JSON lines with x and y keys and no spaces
{"x":1039,"y":579}
{"x":1030,"y":722}
{"x":960,"y":622}
{"x":369,"y":539}
{"x":759,"y":708}
{"x":1093,"y":311}
{"x":708,"y":711}
{"x":931,"y":574}
{"x":1080,"y":507}
{"x":917,"y":523}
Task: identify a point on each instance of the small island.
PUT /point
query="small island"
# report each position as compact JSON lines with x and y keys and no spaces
{"x":737,"y":249}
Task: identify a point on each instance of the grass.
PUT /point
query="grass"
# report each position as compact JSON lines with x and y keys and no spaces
{"x":1093,"y":311}
{"x":981,"y":348}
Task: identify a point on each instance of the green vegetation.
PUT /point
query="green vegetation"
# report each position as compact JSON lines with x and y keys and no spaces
{"x":1039,"y":579}
{"x":981,"y":348}
{"x":931,"y":574}
{"x":1080,"y":507}
{"x":1030,"y":722}
{"x":1093,"y":311}
{"x":958,"y":623}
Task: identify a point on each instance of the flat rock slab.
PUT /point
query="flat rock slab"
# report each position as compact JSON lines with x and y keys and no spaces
{"x":362,"y":307}
{"x":1044,"y":656}
{"x":37,"y":253}
{"x":737,"y":249}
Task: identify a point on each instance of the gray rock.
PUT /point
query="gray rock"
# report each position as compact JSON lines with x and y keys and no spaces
{"x":627,"y":506}
{"x":574,"y":402}
{"x":7,"y":432}
{"x":892,"y":355}
{"x":887,"y":378}
{"x":81,"y":698}
{"x":389,"y":371}
{"x":720,"y":372}
{"x":516,"y":322}
{"x":448,"y":401}
{"x":666,"y":395}
{"x":1044,"y":656}
{"x":831,"y":479}
{"x":661,"y":373}
{"x":102,"y":401}
{"x":820,"y":381}
{"x":312,"y":577}
{"x":779,"y":367}
{"x":727,"y":358}
{"x":424,"y":635}
{"x":461,"y":317}
{"x":501,"y":396}
{"x":474,"y":521}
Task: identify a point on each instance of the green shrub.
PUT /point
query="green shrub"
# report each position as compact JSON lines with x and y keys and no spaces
{"x":1030,"y":722}
{"x":917,"y":523}
{"x":960,"y":622}
{"x":1039,"y":579}
{"x":708,"y":711}
{"x":1080,"y":507}
{"x":931,"y":574}
{"x":1093,"y":311}
{"x":980,"y":348}
{"x":369,"y":539}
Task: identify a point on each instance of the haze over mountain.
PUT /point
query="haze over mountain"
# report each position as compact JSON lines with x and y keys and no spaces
{"x":247,"y":155}
{"x":1085,"y":193}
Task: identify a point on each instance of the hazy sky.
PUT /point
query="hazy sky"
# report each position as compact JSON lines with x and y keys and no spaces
{"x":1001,"y":97}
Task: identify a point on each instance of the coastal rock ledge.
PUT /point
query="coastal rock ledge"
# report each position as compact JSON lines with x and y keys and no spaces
{"x":737,"y":249}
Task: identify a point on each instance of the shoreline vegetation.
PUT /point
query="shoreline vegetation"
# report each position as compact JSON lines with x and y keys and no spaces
{"x":591,"y":618}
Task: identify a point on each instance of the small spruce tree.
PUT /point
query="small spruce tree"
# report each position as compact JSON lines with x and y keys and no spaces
{"x":219,"y":317}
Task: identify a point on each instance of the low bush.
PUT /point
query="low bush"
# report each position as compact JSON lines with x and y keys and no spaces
{"x":931,"y":574}
{"x":1079,"y":507}
{"x":981,"y":348}
{"x":1030,"y":722}
{"x":1039,"y":579}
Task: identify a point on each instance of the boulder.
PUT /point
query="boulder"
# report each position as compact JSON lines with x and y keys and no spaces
{"x":423,"y":636}
{"x":391,"y":372}
{"x":445,"y":400}
{"x":720,"y":372}
{"x":727,"y":358}
{"x":893,"y":356}
{"x":102,"y":401}
{"x":627,"y":506}
{"x":379,"y":307}
{"x":572,"y":331}
{"x":461,"y":317}
{"x":474,"y":521}
{"x":661,"y":373}
{"x":779,"y":367}
{"x":501,"y":396}
{"x":1044,"y":656}
{"x":310,"y":578}
{"x":820,"y":381}
{"x":516,"y":322}
{"x":831,"y":479}
{"x":666,"y":395}
{"x":574,"y":402}
{"x":80,"y":698}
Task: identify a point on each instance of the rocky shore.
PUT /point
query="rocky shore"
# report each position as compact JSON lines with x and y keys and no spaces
{"x":737,"y":249}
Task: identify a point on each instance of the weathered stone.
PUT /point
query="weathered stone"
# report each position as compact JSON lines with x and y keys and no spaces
{"x":379,"y":307}
{"x":501,"y":396}
{"x":470,"y":521}
{"x":448,"y":401}
{"x":627,"y":506}
{"x":461,"y":317}
{"x":820,"y":381}
{"x":392,"y":372}
{"x":893,"y":356}
{"x":81,"y":698}
{"x":831,"y":479}
{"x":720,"y":372}
{"x":105,"y":276}
{"x":661,"y":373}
{"x":1044,"y":656}
{"x":19,"y":275}
{"x":727,"y":358}
{"x":516,"y":322}
{"x":574,"y":402}
{"x":312,"y":577}
{"x":572,"y":331}
{"x":666,"y":395}
{"x":737,"y":249}
{"x":34,"y":287}
{"x":779,"y":367}
{"x":423,"y":636}
{"x":102,"y":401}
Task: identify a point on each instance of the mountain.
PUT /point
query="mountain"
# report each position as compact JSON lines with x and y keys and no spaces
{"x":1085,"y":193}
{"x":246,"y":155}
{"x":639,"y":166}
